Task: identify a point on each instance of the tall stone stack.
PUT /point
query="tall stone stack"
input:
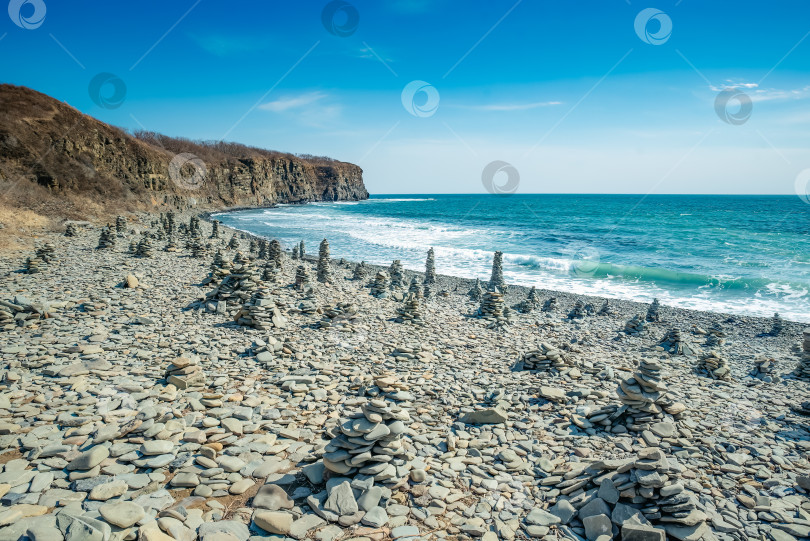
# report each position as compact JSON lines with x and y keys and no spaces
{"x":294,"y":254}
{"x":716,"y":335}
{"x":71,"y":230}
{"x":301,"y":277}
{"x":715,"y":366}
{"x":171,"y":244}
{"x":198,"y":248}
{"x":416,"y":289}
{"x":430,"y":268}
{"x":274,"y":252}
{"x":253,"y":247}
{"x":215,"y":229}
{"x":654,"y":312}
{"x":185,"y":373}
{"x":396,"y":274}
{"x":121,"y":226}
{"x":233,"y":244}
{"x":410,"y":312}
{"x":492,"y":309}
{"x":381,"y":285}
{"x":106,"y":240}
{"x":194,"y":227}
{"x":546,"y":358}
{"x":220,"y":268}
{"x":262,"y":246}
{"x":645,"y":395}
{"x":803,"y":369}
{"x":324,"y":263}
{"x":144,"y":248}
{"x":360,"y":271}
{"x":635,"y":326}
{"x":777,"y":325}
{"x":369,"y":443}
{"x":476,"y":292}
{"x":261,"y":312}
{"x":550,"y":305}
{"x":674,"y":343}
{"x":530,"y":303}
{"x":496,"y":279}
{"x":578,"y":311}
{"x":302,"y":252}
{"x":171,"y":226}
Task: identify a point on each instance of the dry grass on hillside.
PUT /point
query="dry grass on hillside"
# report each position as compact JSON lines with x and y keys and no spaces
{"x":20,"y":227}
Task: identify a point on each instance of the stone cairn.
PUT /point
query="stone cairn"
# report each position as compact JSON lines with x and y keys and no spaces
{"x":294,"y":254}
{"x":496,"y":279}
{"x":121,"y":226}
{"x":47,"y":252}
{"x":144,"y":248}
{"x":198,"y":248}
{"x":34,"y":265}
{"x":380,"y":286}
{"x":253,"y":247}
{"x":302,"y":253}
{"x":410,"y":312}
{"x":301,"y":277}
{"x":261,"y":312}
{"x":653,"y":312}
{"x":492,"y":309}
{"x":803,"y":368}
{"x":396,"y":274}
{"x":765,"y":370}
{"x":274,"y":252}
{"x":546,"y":358}
{"x":324,"y":263}
{"x":715,"y":366}
{"x":476,"y":292}
{"x":673,"y":343}
{"x":170,"y":226}
{"x":635,"y":326}
{"x":578,"y":311}
{"x":19,"y":311}
{"x":133,"y":247}
{"x":262,"y":249}
{"x":106,"y":240}
{"x":220,"y":268}
{"x":777,"y":325}
{"x":550,"y":305}
{"x":215,"y":229}
{"x":71,"y":230}
{"x":194,"y":227}
{"x":360,"y":271}
{"x":271,"y":274}
{"x":239,"y":285}
{"x":338,"y":316}
{"x":530,"y":303}
{"x":715,"y":336}
{"x":605,"y":310}
{"x":416,"y":289}
{"x":430,"y":268}
{"x":645,"y":395}
{"x":171,"y":244}
{"x":184,"y":372}
{"x":233,"y":244}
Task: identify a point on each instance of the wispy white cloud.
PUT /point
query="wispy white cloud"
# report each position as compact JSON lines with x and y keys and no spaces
{"x":765,"y":94}
{"x":292,"y":102}
{"x":513,"y":106}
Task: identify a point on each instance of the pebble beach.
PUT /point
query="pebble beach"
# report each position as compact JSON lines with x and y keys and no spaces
{"x":171,"y":378}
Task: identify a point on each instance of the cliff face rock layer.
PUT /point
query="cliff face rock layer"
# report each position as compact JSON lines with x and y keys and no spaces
{"x":47,"y":145}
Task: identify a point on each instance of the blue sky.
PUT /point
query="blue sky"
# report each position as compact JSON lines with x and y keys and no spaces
{"x":567,"y":92}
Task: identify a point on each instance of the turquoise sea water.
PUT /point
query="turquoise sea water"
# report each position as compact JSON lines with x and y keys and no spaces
{"x":737,"y":254}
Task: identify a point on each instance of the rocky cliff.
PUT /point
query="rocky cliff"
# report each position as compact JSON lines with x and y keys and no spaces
{"x":50,"y":148}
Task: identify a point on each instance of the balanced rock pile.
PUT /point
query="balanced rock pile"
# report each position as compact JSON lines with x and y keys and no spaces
{"x":654,"y":312}
{"x":239,"y":285}
{"x":430,"y":268}
{"x":233,"y":244}
{"x":396,"y":274}
{"x":635,"y":326}
{"x":121,"y":226}
{"x":274,"y":252}
{"x":106,"y":240}
{"x":294,"y":254}
{"x":215,"y":229}
{"x":578,"y":311}
{"x":197,"y":247}
{"x":379,"y":288}
{"x":369,"y":443}
{"x":301,"y":277}
{"x":496,"y":278}
{"x":171,"y":245}
{"x":324,"y":265}
{"x":185,"y":372}
{"x":410,"y":311}
{"x":220,"y":268}
{"x":271,"y":274}
{"x":360,"y":271}
{"x":765,"y":370}
{"x":716,"y":335}
{"x":777,"y":325}
{"x":803,"y":369}
{"x":492,"y":309}
{"x":715,"y":366}
{"x":302,"y":253}
{"x":476,"y":292}
{"x":550,"y":305}
{"x":261,"y":312}
{"x":605,"y":310}
{"x":673,"y":343}
{"x":71,"y":230}
{"x":339,"y":316}
{"x":144,"y":248}
{"x":530,"y":303}
{"x":34,"y":265}
{"x":645,"y":395}
{"x":547,"y":358}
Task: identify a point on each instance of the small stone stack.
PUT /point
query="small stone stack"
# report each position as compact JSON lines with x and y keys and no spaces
{"x":34,"y":265}
{"x":645,"y":395}
{"x":238,"y":285}
{"x":271,"y":273}
{"x":171,"y":244}
{"x":301,"y":277}
{"x":360,"y":271}
{"x":302,"y":252}
{"x":369,"y":443}
{"x":410,"y":312}
{"x":777,"y":326}
{"x":262,"y":249}
{"x":194,"y":227}
{"x":106,"y":240}
{"x":653,"y":312}
{"x":233,"y":244}
{"x":530,"y":303}
{"x":339,"y":317}
{"x":215,"y":229}
{"x":606,"y":310}
{"x":253,"y":247}
{"x":324,"y":263}
{"x":476,"y":292}
{"x":496,"y":278}
{"x":550,"y":305}
{"x":803,"y":368}
{"x":19,"y":311}
{"x":198,"y":248}
{"x":294,"y":254}
{"x":121,"y":226}
{"x":673,"y":343}
{"x":715,"y":366}
{"x":144,"y":248}
{"x":184,"y":373}
{"x":492,"y":309}
{"x":381,"y":285}
{"x":635,"y":326}
{"x":546,"y":358}
{"x":765,"y":370}
{"x":261,"y":312}
{"x":71,"y":230}
{"x":716,"y":335}
{"x":274,"y":252}
{"x":578,"y":311}
{"x":430,"y":268}
{"x":133,"y":247}
{"x":170,"y":225}
{"x":416,"y":289}
{"x":396,"y":274}
{"x":47,"y":252}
